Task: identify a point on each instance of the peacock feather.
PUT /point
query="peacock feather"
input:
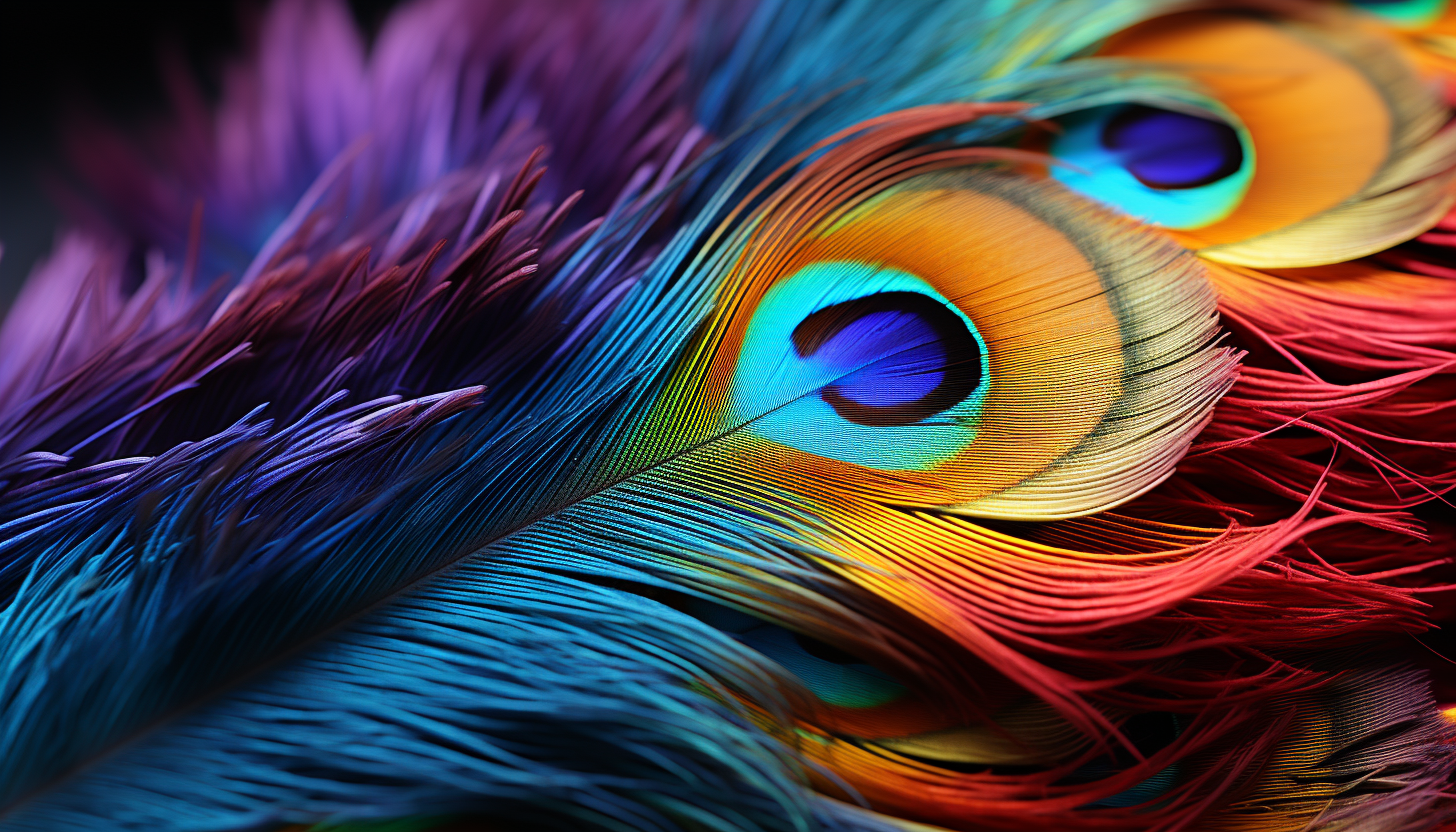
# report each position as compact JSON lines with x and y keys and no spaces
{"x":783,"y":415}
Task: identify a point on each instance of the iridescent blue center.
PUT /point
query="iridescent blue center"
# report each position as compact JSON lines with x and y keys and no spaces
{"x":1172,"y":150}
{"x":903,"y":342}
{"x":861,"y":363}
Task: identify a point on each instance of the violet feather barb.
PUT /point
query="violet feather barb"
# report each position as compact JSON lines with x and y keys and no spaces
{"x":986,"y":415}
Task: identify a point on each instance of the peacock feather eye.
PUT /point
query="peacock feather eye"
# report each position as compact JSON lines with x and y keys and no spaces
{"x":896,"y":371}
{"x":1167,"y":167}
{"x":1172,"y":150}
{"x":955,"y":338}
{"x":1269,"y":142}
{"x":909,"y":356}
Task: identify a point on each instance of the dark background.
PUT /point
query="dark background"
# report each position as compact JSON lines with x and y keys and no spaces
{"x":103,"y":56}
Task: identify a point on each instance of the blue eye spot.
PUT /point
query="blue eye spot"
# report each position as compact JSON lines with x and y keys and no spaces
{"x":1165,"y":167}
{"x":862,"y":363}
{"x":904,"y":342}
{"x":1172,"y":150}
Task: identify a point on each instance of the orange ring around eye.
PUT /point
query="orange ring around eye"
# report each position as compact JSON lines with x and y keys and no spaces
{"x":1321,"y":129}
{"x":1054,"y":343}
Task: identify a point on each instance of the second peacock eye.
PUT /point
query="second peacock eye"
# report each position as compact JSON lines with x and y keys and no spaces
{"x":1172,"y":150}
{"x":1167,"y":167}
{"x":904,"y":357}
